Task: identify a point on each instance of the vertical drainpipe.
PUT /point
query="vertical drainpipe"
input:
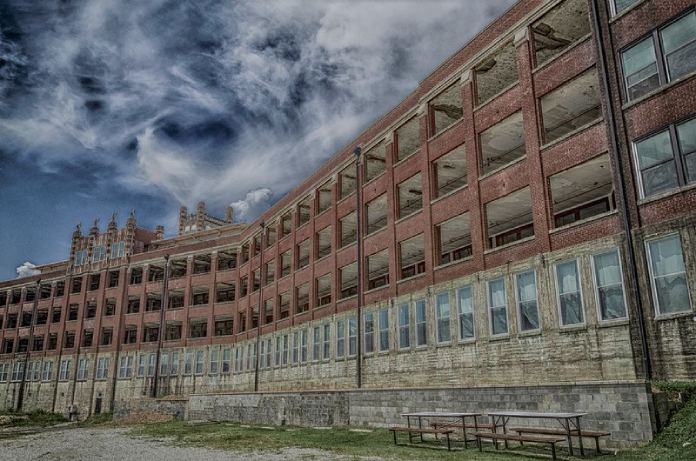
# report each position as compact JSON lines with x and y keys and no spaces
{"x":160,"y":335}
{"x":618,"y":176}
{"x":20,"y":394}
{"x":258,"y":321}
{"x":358,"y":227}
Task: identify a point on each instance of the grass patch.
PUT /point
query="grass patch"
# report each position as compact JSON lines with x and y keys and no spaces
{"x":38,"y":418}
{"x":102,"y":419}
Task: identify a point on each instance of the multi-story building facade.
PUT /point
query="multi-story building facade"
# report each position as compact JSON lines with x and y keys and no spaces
{"x":525,"y":216}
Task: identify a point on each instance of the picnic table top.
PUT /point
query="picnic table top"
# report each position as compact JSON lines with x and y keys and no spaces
{"x":439,"y":414}
{"x":534,"y":414}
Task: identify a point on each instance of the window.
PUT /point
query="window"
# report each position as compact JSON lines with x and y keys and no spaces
{"x":136,"y":277}
{"x":64,"y":373}
{"x":667,"y":160}
{"x":408,"y":134}
{"x":303,"y":212}
{"x":560,"y":28}
{"x":327,"y":342}
{"x":102,"y":368}
{"x":609,"y":285}
{"x":60,"y":288}
{"x":125,"y":368}
{"x":98,"y":253}
{"x":107,"y":335}
{"x":496,"y":72}
{"x":410,"y":196}
{"x":445,"y":110}
{"x":153,"y":302}
{"x":80,"y":257}
{"x":302,"y":298}
{"x":133,"y":305}
{"x":200,"y":296}
{"x":509,"y":218}
{"x":378,"y":270}
{"x":569,"y":295}
{"x":17,"y":371}
{"x":442,"y":313}
{"x":164,"y":364}
{"x":188,"y":363}
{"x":346,"y":182}
{"x":150,"y":333}
{"x":243,"y":286}
{"x":454,"y":239}
{"x":285,"y":263}
{"x":226,"y":260}
{"x":497,"y":306}
{"x":4,"y":370}
{"x":502,"y":144}
{"x":527,"y":305}
{"x":303,"y":254}
{"x":449,"y":172}
{"x":412,"y":256}
{"x":44,"y":293}
{"x":316,"y":343}
{"x":295,"y":347}
{"x":47,"y":373}
{"x":349,"y":229}
{"x":198,"y":329}
{"x":270,"y":271}
{"x":384,"y":329}
{"x":404,"y":326}
{"x":465,"y":309}
{"x":268,"y":311}
{"x":172,"y":331}
{"x":340,"y":338}
{"x":675,"y":44}
{"x":377,"y":214}
{"x":668,"y":275}
{"x":324,"y":242}
{"x":214,"y":361}
{"x":82,"y":369}
{"x":245,"y":252}
{"x":303,"y":346}
{"x":375,"y":161}
{"x":256,"y":276}
{"x":130,"y":335}
{"x":324,"y":198}
{"x":199,"y":363}
{"x":69,"y":340}
{"x":224,"y":293}
{"x":110,"y":307}
{"x":324,"y":288}
{"x":174,"y":368}
{"x":617,"y":6}
{"x":76,"y":285}
{"x":573,"y":105}
{"x":118,"y":249}
{"x":224,"y":327}
{"x":271,"y":233}
{"x":284,"y":304}
{"x":421,"y":323}
{"x":352,"y":336}
{"x":226,"y":360}
{"x":285,"y":224}
{"x":286,"y":349}
{"x":369,"y":335}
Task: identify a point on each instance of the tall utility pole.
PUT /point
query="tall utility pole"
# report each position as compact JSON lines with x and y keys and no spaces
{"x":262,"y":238}
{"x":162,"y":328}
{"x":358,"y":229}
{"x":20,"y":393}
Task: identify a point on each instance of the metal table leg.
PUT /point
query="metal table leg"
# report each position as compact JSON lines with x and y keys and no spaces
{"x":577,"y":426}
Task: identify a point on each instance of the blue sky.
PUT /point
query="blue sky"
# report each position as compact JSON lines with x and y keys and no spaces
{"x":106,"y":106}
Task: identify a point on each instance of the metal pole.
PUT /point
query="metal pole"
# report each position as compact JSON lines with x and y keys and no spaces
{"x":358,"y":208}
{"x":162,"y":329}
{"x":262,"y":239}
{"x":20,"y":393}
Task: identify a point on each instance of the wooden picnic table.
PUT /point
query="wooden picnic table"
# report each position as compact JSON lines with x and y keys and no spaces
{"x":456,"y":416}
{"x":569,"y":421}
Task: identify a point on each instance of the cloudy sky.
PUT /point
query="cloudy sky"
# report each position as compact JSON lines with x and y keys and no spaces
{"x":111,"y":105}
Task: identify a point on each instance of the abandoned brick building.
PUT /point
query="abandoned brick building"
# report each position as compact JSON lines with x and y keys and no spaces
{"x":525,"y":217}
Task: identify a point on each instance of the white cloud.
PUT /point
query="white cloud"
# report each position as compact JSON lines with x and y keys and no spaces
{"x":27,"y":270}
{"x":255,"y":202}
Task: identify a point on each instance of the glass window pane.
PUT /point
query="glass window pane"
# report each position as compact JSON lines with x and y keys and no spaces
{"x":611,"y":302}
{"x":466,"y":313}
{"x":620,"y":5}
{"x":686,"y":132}
{"x":607,"y":269}
{"x":569,"y":295}
{"x":567,"y":277}
{"x":666,"y":256}
{"x":527,"y":299}
{"x":640,"y":69}
{"x":443,"y":318}
{"x":653,"y":150}
{"x":659,"y":179}
{"x":679,"y":44}
{"x":496,"y":291}
{"x":497,"y":305}
{"x":609,"y":286}
{"x":571,"y":309}
{"x":672,"y":294}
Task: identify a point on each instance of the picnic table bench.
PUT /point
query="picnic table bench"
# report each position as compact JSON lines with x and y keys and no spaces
{"x":416,"y":430}
{"x":494,"y":437}
{"x":446,"y":420}
{"x":546,"y":431}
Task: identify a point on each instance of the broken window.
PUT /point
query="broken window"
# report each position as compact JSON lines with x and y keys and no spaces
{"x":302,"y":298}
{"x":667,"y":160}
{"x":172,"y":331}
{"x":324,"y":242}
{"x":198,"y":328}
{"x":72,"y":311}
{"x":412,"y":256}
{"x":41,"y":317}
{"x":410,"y":196}
{"x":245,"y":252}
{"x":155,"y":273}
{"x":55,"y":315}
{"x":285,"y":263}
{"x":113,"y":279}
{"x":224,"y":292}
{"x":303,"y":212}
{"x":378,"y":270}
{"x":227,"y":260}
{"x":375,"y":161}
{"x":573,"y":105}
{"x":87,"y":337}
{"x":284,"y":304}
{"x":91,"y":310}
{"x":201,"y":264}
{"x":285,"y":224}
{"x":200,"y":296}
{"x":130,"y":335}
{"x":110,"y":307}
{"x":44,"y":293}
{"x":52,"y":342}
{"x":509,"y":218}
{"x":254,"y":316}
{"x":502,"y":144}
{"x":38,"y":344}
{"x":76,"y":285}
{"x":80,"y":257}
{"x":175,"y":299}
{"x":449,"y":171}
{"x":560,"y":28}
{"x":30,"y":294}
{"x":177,"y":268}
{"x":16,"y":296}
{"x":133,"y":305}
{"x":7,"y":346}
{"x":323,"y":284}
{"x":257,"y":244}
{"x":26,"y":319}
{"x":107,"y":335}
{"x":271,"y":234}
{"x":256,"y":275}
{"x":303,"y":254}
{"x":376,"y":214}
{"x":445,"y":110}
{"x":324,"y":198}
{"x":69,"y":341}
{"x":583,"y":191}
{"x":153,"y":302}
{"x":496,"y":72}
{"x":136,"y":277}
{"x":454,"y":239}
{"x":243,"y":286}
{"x":270,"y":272}
{"x":346,"y":182}
{"x":150,"y":333}
{"x":268,"y":311}
{"x":408,"y":134}
{"x":60,"y":288}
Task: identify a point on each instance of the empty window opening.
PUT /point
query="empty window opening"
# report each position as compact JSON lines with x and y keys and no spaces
{"x":87,"y":338}
{"x":324,"y":198}
{"x":375,"y":161}
{"x":224,"y":326}
{"x":408,"y":134}
{"x":254,"y":316}
{"x":177,"y":268}
{"x":245,"y":252}
{"x":227,"y":260}
{"x":285,"y":263}
{"x":91,"y":310}
{"x":44,"y":290}
{"x":244,"y":286}
{"x":560,"y":28}
{"x":23,"y":345}
{"x":303,"y":254}
{"x":445,"y":110}
{"x":496,"y":72}
{"x":16,"y":296}
{"x":377,"y":214}
{"x":509,"y":218}
{"x":110,"y":307}
{"x":349,"y":229}
{"x":257,"y":244}
{"x":303,"y":212}
{"x":41,"y":317}
{"x":378,"y":270}
{"x":286,"y":224}
{"x":136,"y":277}
{"x":410,"y":196}
{"x":324,"y":242}
{"x":113,"y":279}
{"x":198,"y":328}
{"x":172,"y":331}
{"x":201,"y":264}
{"x":268,"y":311}
{"x":302,"y":298}
{"x":55,"y":315}
{"x":256,"y":274}
{"x":76,"y":285}
{"x":150,"y":333}
{"x":582,"y":192}
{"x":449,"y":172}
{"x":154,"y":302}
{"x":200,"y":296}
{"x":349,"y":280}
{"x":454,"y":239}
{"x":176,"y":299}
{"x":133,"y":305}
{"x":270,"y":272}
{"x":130,"y":335}
{"x":73,"y":309}
{"x":346,"y":182}
{"x":324,"y":290}
{"x":60,"y":288}
{"x":412,"y":256}
{"x":26,"y":319}
{"x":502,"y":144}
{"x":38,"y":344}
{"x":284,"y":305}
{"x":30,"y":295}
{"x":574,"y":105}
{"x":155,"y":273}
{"x":3,"y":298}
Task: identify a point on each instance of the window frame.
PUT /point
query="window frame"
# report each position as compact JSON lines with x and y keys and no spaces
{"x":596,"y":287}
{"x":472,"y":338}
{"x":447,"y":319}
{"x":403,"y":307}
{"x":578,"y":273}
{"x":490,"y":308}
{"x":416,"y":303}
{"x":517,"y":301}
{"x":653,"y":290}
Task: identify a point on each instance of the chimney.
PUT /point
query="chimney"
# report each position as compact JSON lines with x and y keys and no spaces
{"x":229,"y":215}
{"x":200,"y":216}
{"x":183,"y":215}
{"x":159,"y":232}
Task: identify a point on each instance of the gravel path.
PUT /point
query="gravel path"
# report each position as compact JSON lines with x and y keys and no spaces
{"x":115,"y":444}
